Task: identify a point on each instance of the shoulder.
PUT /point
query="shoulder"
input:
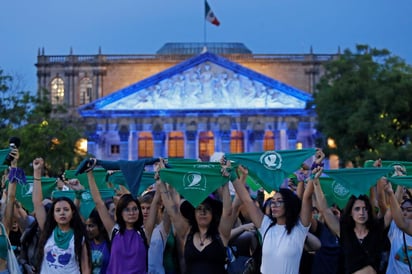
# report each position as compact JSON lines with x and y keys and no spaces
{"x":266,"y":222}
{"x":114,"y":231}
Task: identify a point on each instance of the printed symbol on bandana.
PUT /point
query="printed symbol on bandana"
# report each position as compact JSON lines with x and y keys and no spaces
{"x":194,"y":180}
{"x":86,"y":196}
{"x":271,"y":160}
{"x":26,"y":190}
{"x":339,"y":190}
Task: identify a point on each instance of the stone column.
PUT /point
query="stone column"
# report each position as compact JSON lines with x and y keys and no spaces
{"x":124,"y":143}
{"x":159,"y":143}
{"x":255,"y":141}
{"x":305,"y":134}
{"x":133,"y":144}
{"x":98,"y":73}
{"x":101,"y":131}
{"x":225,"y":140}
{"x":92,"y":139}
{"x":292,"y":134}
{"x":191,"y":150}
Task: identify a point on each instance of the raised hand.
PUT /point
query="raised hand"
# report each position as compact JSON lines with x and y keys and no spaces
{"x":38,"y":164}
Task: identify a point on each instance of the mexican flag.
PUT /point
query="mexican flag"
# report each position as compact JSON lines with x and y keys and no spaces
{"x":210,"y":16}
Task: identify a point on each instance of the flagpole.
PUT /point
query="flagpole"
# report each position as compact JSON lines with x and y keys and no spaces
{"x":204,"y":25}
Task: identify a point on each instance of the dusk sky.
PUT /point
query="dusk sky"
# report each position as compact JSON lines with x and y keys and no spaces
{"x":142,"y":27}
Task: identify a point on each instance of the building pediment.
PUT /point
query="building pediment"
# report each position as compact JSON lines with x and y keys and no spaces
{"x":204,"y":83}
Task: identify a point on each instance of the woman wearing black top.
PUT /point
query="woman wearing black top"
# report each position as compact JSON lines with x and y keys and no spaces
{"x":361,"y":233}
{"x":204,"y":231}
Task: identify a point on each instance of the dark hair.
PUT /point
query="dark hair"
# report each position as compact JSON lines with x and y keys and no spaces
{"x":76,"y":224}
{"x":146,"y":198}
{"x":292,"y":205}
{"x":94,"y":217}
{"x":407,"y":193}
{"x":347,"y":220}
{"x":124,"y":200}
{"x":213,"y":229}
{"x":409,"y":200}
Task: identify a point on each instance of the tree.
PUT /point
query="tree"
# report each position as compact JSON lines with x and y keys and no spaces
{"x":364,"y":102}
{"x":39,"y":125}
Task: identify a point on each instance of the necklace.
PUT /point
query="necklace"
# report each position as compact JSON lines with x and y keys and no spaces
{"x":202,"y":242}
{"x":360,"y":235}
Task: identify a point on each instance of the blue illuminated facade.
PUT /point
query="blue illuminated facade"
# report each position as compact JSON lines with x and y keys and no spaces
{"x":204,"y":93}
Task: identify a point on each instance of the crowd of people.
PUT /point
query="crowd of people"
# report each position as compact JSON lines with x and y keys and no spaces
{"x":234,"y":230}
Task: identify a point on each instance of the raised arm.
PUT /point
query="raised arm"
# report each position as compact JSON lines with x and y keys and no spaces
{"x":172,"y":208}
{"x":151,"y":219}
{"x":11,"y":192}
{"x":101,"y":208}
{"x":253,"y":210}
{"x":37,"y":196}
{"x":226,"y":223}
{"x":404,"y":224}
{"x":9,"y":212}
{"x":331,"y":220}
{"x":306,"y":209}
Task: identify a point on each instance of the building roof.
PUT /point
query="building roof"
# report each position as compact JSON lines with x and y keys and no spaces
{"x":197,"y":48}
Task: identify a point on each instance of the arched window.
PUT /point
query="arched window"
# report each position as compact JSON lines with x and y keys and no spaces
{"x":85,"y":91}
{"x":57,"y":91}
{"x":176,"y":144}
{"x":145,"y":145}
{"x":269,"y":141}
{"x":236,"y":142}
{"x":206,"y":145}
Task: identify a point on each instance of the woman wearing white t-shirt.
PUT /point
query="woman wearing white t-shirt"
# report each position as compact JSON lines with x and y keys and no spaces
{"x":284,"y":236}
{"x":63,"y":234}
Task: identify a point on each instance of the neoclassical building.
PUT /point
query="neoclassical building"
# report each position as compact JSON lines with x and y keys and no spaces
{"x":188,"y":100}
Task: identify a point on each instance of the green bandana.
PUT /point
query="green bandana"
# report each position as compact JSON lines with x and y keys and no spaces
{"x":405,"y":181}
{"x":194,"y":181}
{"x":61,"y":238}
{"x":270,"y":168}
{"x":24,"y":192}
{"x":3,"y":155}
{"x":335,"y":192}
{"x":357,"y":180}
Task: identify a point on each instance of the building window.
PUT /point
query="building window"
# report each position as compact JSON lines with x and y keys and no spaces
{"x":269,"y":141}
{"x":57,"y":91}
{"x":145,"y":145}
{"x":236,"y":142}
{"x":85,"y":91}
{"x":206,"y":145}
{"x":176,"y":144}
{"x":114,"y":149}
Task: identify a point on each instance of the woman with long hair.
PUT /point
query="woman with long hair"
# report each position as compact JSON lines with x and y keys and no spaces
{"x":361,"y":234}
{"x":129,"y":244}
{"x":284,"y":234}
{"x":99,"y":243}
{"x":203,"y":232}
{"x":63,"y":234}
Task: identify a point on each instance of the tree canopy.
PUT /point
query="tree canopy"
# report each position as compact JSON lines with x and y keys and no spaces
{"x":36,"y":122}
{"x":363,"y":102}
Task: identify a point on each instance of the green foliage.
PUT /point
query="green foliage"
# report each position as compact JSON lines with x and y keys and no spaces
{"x":36,"y":122}
{"x":364,"y":103}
